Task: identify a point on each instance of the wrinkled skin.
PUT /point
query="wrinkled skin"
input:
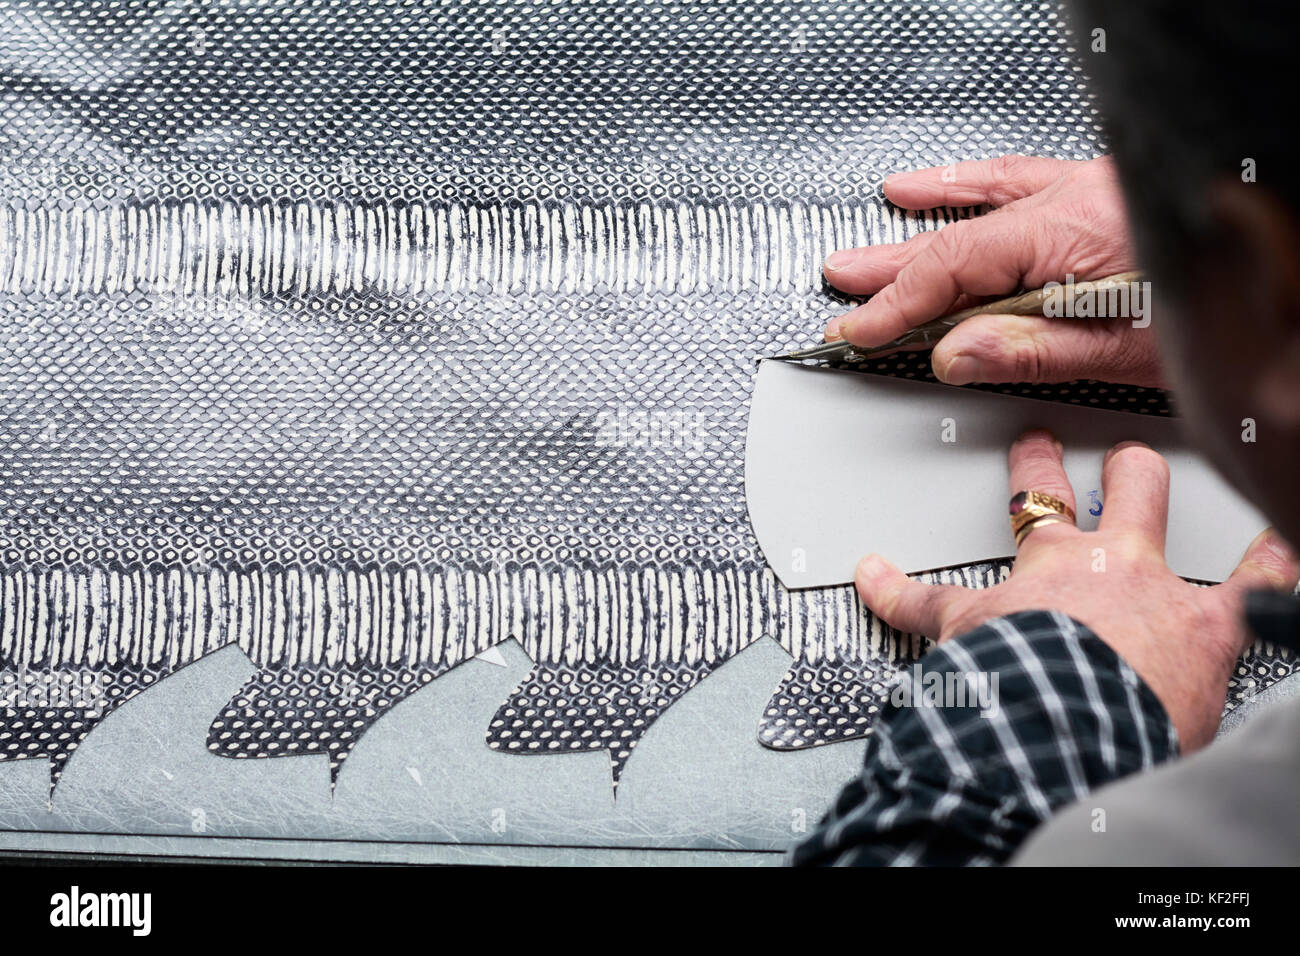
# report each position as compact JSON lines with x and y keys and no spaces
{"x":1053,"y":218}
{"x":1182,"y":639}
{"x":1056,"y":218}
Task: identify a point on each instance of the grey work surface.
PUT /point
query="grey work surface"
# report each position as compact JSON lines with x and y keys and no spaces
{"x":840,"y":463}
{"x":424,"y":787}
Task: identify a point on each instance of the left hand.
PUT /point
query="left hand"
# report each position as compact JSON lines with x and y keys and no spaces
{"x":1183,"y":640}
{"x":1054,"y":218}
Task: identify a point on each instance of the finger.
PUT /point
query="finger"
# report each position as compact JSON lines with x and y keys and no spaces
{"x":995,"y":181}
{"x":1037,"y":463}
{"x":991,"y":255}
{"x":1030,"y":348}
{"x":963,"y":302}
{"x":867,"y":270}
{"x":1135,"y":492}
{"x":1268,"y":564}
{"x":910,"y":606}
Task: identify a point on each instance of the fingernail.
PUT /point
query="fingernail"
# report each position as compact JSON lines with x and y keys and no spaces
{"x":1042,"y":434}
{"x":839,"y":260}
{"x":833,"y":331}
{"x":1277,"y":546}
{"x":869,"y":567}
{"x":962,"y":370}
{"x":1110,"y":453}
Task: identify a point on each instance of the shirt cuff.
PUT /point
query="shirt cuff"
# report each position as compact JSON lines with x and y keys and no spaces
{"x":982,"y":739}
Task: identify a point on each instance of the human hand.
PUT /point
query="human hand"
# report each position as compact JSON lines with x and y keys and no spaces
{"x":1183,"y":640}
{"x":1054,"y":218}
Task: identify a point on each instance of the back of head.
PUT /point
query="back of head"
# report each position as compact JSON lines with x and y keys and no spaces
{"x":1197,"y":99}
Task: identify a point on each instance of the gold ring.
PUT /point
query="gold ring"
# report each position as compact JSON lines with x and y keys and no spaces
{"x":1029,"y":509}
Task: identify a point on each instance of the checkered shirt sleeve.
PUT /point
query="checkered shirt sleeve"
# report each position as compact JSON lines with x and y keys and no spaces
{"x":947,"y":781}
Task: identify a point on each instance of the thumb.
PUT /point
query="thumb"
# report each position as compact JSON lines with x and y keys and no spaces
{"x":909,"y":606}
{"x":1268,"y":564}
{"x":1030,"y":348}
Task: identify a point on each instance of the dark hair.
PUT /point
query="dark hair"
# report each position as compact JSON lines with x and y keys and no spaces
{"x":1191,"y":91}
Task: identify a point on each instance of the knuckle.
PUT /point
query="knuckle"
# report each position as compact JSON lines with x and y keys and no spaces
{"x":949,"y":242}
{"x":887,"y":599}
{"x":1034,"y":360}
{"x":1005,"y":166}
{"x":1007,"y":169}
{"x":1046,"y":364}
{"x":1129,"y":549}
{"x":985,"y":339}
{"x":1009,"y":176}
{"x":907,"y":287}
{"x":1049,"y":480}
{"x":955,"y":248}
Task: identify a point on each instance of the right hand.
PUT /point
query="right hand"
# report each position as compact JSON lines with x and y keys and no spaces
{"x":1054,"y":218}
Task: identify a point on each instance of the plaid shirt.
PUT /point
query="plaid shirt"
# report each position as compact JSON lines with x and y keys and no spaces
{"x":949,"y":784}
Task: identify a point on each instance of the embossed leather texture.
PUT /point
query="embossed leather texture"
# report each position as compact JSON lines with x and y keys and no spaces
{"x":368,"y":335}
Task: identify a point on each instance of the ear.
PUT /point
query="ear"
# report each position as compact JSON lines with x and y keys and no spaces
{"x":1259,"y":242}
